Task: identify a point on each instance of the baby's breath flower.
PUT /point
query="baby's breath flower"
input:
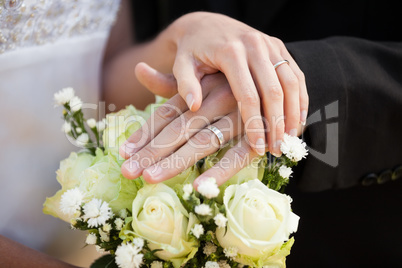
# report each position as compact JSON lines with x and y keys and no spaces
{"x":188,"y":188}
{"x":223,"y":264}
{"x":138,"y":242}
{"x":75,"y":104}
{"x":211,"y":264}
{"x":63,"y":96}
{"x":197,"y":230}
{"x":96,"y":212}
{"x":104,"y":235}
{"x":78,"y":130}
{"x":203,"y":210}
{"x":101,"y":125}
{"x":285,"y":172}
{"x":209,"y":248}
{"x":208,"y":188}
{"x":66,"y":128}
{"x":293,"y":147}
{"x":99,"y":249}
{"x":83,"y":139}
{"x":119,"y":224}
{"x":230,"y":252}
{"x":107,"y":227}
{"x":91,"y":123}
{"x":71,"y":201}
{"x":91,"y":239}
{"x":220,"y":220}
{"x":156,"y":264}
{"x":127,"y":256}
{"x":123,"y":213}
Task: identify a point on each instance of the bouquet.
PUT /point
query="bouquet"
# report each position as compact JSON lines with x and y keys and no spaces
{"x":246,"y":222}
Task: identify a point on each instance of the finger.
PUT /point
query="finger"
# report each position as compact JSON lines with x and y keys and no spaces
{"x":162,"y":116}
{"x":188,"y":81}
{"x":291,"y":90}
{"x":271,"y":93}
{"x":199,"y":146}
{"x":303,"y":94}
{"x":240,"y":80}
{"x":158,"y":83}
{"x":235,"y":159}
{"x":174,"y":135}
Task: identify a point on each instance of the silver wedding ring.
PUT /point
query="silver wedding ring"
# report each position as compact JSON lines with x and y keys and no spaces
{"x":279,"y":63}
{"x":217,"y":133}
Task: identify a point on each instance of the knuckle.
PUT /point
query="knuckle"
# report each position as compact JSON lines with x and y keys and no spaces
{"x":166,"y":113}
{"x":231,"y":49}
{"x":292,"y":81}
{"x":251,"y":97}
{"x":177,"y":126}
{"x":202,"y":138}
{"x":301,"y":77}
{"x":275,"y":92}
{"x":254,"y":38}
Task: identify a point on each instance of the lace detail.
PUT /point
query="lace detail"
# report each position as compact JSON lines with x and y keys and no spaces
{"x":26,"y":23}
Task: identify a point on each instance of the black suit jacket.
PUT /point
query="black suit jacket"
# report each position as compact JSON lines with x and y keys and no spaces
{"x":351,"y":55}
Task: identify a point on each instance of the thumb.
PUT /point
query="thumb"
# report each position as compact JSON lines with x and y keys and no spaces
{"x":158,"y":83}
{"x":188,"y":82}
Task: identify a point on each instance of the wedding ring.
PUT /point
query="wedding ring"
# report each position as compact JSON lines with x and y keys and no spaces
{"x":279,"y":63}
{"x":217,"y":133}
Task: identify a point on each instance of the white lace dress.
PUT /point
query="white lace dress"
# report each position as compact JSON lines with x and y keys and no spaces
{"x":45,"y":45}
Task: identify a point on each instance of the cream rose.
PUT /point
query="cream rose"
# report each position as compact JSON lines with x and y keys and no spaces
{"x":160,"y":218}
{"x":259,"y":223}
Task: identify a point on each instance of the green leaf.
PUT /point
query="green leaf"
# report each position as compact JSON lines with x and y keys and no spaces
{"x":106,"y":261}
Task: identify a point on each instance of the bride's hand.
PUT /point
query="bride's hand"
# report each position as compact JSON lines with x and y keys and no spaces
{"x":206,"y":43}
{"x":175,"y":138}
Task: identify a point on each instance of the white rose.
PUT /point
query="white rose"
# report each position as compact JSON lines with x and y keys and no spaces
{"x":160,"y":218}
{"x":259,"y":222}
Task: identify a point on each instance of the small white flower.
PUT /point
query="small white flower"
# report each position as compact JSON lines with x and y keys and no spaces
{"x":101,"y":125}
{"x":123,"y":213}
{"x":119,"y":224}
{"x":197,"y":230}
{"x":64,"y":96}
{"x":91,"y":239}
{"x":91,"y":123}
{"x":208,"y":188}
{"x":66,"y":128}
{"x":186,"y":196}
{"x":71,"y":201}
{"x":78,"y":130}
{"x":83,"y":139}
{"x":75,"y":104}
{"x":96,"y":212}
{"x":156,"y":264}
{"x":211,"y":264}
{"x":209,"y":248}
{"x":138,"y":242}
{"x":107,"y":228}
{"x":285,"y":172}
{"x":294,"y":148}
{"x":127,"y":256}
{"x":99,"y":249}
{"x":104,"y":236}
{"x":188,"y":188}
{"x":220,"y":220}
{"x":223,"y":264}
{"x":230,"y":252}
{"x":203,"y":210}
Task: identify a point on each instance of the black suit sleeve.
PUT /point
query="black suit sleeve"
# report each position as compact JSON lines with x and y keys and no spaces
{"x":355,"y":111}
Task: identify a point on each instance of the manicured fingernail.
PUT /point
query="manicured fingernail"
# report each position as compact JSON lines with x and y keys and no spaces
{"x":260,"y":146}
{"x":154,"y":172}
{"x":293,"y":132}
{"x":132,"y":167}
{"x":190,"y":100}
{"x":303,"y":117}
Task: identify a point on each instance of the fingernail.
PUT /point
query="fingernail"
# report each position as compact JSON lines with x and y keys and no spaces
{"x":190,"y":100}
{"x":303,"y":117}
{"x":260,"y":146}
{"x":154,"y":172}
{"x":277,"y":148}
{"x":132,"y":167}
{"x":293,"y":132}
